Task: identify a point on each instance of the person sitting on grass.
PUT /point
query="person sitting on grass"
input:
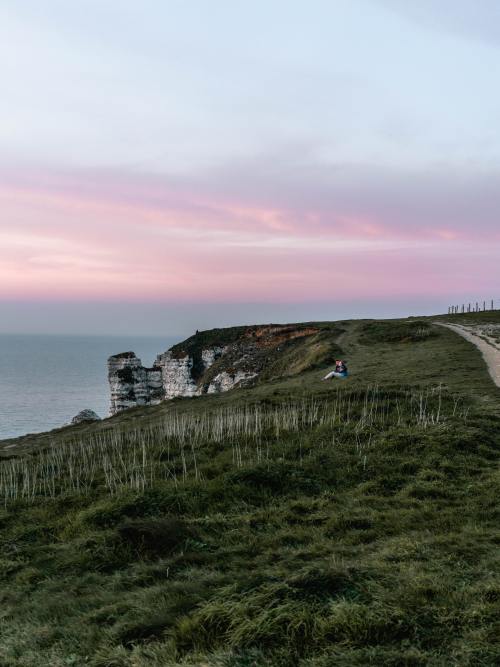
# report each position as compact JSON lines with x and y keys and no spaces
{"x":339,"y":372}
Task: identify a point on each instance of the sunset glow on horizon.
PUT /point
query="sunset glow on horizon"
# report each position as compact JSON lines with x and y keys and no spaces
{"x":220,"y":169}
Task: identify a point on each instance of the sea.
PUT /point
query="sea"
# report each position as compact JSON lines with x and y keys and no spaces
{"x":46,"y":380}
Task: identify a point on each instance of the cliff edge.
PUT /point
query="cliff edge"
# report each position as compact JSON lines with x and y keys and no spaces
{"x":218,"y":360}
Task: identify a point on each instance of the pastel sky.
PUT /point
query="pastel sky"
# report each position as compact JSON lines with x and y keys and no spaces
{"x":225,"y":161}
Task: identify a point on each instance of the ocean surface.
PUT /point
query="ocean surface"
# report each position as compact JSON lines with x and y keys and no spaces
{"x":46,"y":380}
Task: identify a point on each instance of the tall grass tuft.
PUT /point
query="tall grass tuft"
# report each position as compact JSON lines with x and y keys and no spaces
{"x":170,"y":448}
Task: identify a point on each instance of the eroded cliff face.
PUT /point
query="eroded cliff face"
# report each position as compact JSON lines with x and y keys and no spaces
{"x":214,"y":361}
{"x":131,"y":384}
{"x":176,"y":375}
{"x":179,"y":373}
{"x":224,"y":381}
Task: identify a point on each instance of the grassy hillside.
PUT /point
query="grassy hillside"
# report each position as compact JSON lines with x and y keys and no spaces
{"x":294,"y":523}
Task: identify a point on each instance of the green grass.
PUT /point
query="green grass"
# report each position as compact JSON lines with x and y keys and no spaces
{"x":330,"y":532}
{"x":409,"y":331}
{"x":481,"y":317}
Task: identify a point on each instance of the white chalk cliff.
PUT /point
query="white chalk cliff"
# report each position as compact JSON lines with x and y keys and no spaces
{"x":132,"y":384}
{"x":207,"y":363}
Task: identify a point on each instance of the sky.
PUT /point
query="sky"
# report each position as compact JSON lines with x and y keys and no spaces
{"x":167,"y":165}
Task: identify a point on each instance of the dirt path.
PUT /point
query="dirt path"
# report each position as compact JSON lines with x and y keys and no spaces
{"x":491,"y":352}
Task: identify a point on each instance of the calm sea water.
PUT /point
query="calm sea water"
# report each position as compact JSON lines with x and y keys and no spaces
{"x":46,"y":380}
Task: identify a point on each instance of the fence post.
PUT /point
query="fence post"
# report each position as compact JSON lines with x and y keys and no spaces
{"x":471,"y":307}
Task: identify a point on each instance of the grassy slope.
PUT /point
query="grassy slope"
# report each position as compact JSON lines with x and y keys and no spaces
{"x":315,"y":557}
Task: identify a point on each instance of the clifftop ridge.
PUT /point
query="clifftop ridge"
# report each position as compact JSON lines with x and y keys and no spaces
{"x":217,"y":360}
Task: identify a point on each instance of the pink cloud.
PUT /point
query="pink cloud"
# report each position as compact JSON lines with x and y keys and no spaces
{"x":121,"y":236}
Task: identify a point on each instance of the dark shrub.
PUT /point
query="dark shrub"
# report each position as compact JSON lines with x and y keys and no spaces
{"x":322,"y":583}
{"x":343,"y":523}
{"x":275,"y":478}
{"x":154,"y":537}
{"x":145,"y":629}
